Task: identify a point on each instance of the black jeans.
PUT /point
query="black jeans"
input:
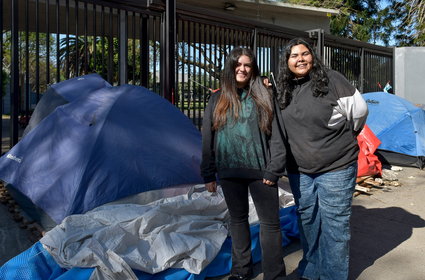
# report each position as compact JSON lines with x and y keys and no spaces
{"x":266,"y":201}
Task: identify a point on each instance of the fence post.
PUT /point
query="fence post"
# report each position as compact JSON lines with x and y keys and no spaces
{"x":123,"y":49}
{"x":361,"y":89}
{"x":144,"y":52}
{"x":254,"y":40}
{"x":14,"y":93}
{"x":319,"y":36}
{"x":1,"y":76}
{"x":274,"y":60}
{"x":168,"y":50}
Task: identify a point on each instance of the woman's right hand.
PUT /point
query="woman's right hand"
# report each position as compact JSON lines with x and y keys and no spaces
{"x":211,"y":186}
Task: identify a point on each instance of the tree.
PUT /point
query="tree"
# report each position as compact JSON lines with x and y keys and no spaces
{"x":81,"y":56}
{"x":360,"y":20}
{"x":410,"y":22}
{"x":36,"y":60}
{"x":396,"y":22}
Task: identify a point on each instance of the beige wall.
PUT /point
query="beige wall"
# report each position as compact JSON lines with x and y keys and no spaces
{"x":293,"y":21}
{"x":289,"y":16}
{"x":409,"y":65}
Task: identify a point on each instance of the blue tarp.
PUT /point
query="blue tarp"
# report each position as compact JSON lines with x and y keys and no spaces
{"x":37,"y":264}
{"x":109,"y":143}
{"x":399,"y":125}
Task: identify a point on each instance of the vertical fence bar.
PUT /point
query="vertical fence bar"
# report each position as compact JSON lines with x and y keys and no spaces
{"x":94,"y":9}
{"x":195,"y":72}
{"x":27,"y":58}
{"x":2,"y":86}
{"x":67,"y":40}
{"x":37,"y":49}
{"x":194,"y":78}
{"x":200,"y":91}
{"x":102,"y":40}
{"x":263,"y":49}
{"x":185,"y":82}
{"x":168,"y":50}
{"x":133,"y":35}
{"x":189,"y":72}
{"x":205,"y":90}
{"x":274,"y":56}
{"x":144,"y":51}
{"x":257,"y":53}
{"x":122,"y":46}
{"x":14,"y":93}
{"x":208,"y":47}
{"x":110,"y":47}
{"x":269,"y":49}
{"x":155,"y":57}
{"x":177,"y":65}
{"x":216,"y":55}
{"x":77,"y":43}
{"x":86,"y":49}
{"x":58,"y":65}
{"x":362,"y":69}
{"x":47,"y":43}
{"x":179,"y":43}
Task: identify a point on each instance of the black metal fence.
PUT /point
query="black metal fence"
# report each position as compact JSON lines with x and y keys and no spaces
{"x":48,"y":41}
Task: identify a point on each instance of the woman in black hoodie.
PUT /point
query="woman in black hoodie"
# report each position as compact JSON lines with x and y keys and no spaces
{"x":321,"y":114}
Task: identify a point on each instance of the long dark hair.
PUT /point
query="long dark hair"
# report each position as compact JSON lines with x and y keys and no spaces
{"x":285,"y":80}
{"x":229,"y":100}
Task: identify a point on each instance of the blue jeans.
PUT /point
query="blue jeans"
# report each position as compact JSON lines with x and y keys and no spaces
{"x":266,"y":201}
{"x":324,"y":210}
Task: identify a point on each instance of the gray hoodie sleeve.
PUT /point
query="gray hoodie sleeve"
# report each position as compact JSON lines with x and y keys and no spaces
{"x":350,"y":103}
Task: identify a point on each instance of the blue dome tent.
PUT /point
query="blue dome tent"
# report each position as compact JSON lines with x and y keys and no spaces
{"x":400,"y":126}
{"x":106,"y":144}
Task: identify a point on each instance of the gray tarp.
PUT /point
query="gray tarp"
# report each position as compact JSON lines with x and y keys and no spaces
{"x":184,"y":231}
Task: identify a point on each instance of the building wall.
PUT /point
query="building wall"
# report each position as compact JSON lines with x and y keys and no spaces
{"x":302,"y":18}
{"x":409,"y":65}
{"x":293,"y":21}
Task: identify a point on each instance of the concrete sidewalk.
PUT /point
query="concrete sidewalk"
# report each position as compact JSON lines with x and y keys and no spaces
{"x":388,"y":234}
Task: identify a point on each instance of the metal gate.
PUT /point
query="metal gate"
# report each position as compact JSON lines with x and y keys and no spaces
{"x":47,"y":41}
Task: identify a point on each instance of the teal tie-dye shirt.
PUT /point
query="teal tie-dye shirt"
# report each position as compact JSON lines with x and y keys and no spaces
{"x":238,"y":142}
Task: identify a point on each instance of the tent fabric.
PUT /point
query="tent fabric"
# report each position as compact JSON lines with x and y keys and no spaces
{"x":63,"y":93}
{"x":108,"y":144}
{"x":399,"y":125}
{"x":368,"y":163}
{"x":37,"y":263}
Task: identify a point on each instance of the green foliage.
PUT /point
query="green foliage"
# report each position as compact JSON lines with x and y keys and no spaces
{"x":396,"y":22}
{"x":27,"y":42}
{"x":80,"y":56}
{"x":410,"y":22}
{"x":331,"y":4}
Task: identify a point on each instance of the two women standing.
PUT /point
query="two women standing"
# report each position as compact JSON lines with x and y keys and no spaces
{"x":247,"y":142}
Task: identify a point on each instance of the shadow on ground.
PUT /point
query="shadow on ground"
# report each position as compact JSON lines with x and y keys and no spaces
{"x":377,"y":231}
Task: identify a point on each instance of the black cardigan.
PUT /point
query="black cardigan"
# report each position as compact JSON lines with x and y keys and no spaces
{"x":274,"y":150}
